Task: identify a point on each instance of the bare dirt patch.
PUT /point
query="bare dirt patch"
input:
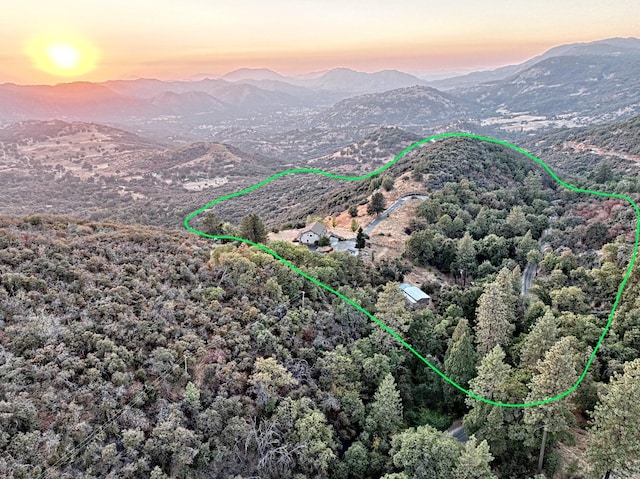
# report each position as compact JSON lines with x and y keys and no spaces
{"x":403,"y":185}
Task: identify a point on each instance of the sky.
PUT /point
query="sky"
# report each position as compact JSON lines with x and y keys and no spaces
{"x":182,"y":39}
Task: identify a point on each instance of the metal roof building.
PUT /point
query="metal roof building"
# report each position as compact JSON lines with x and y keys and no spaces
{"x":413,"y":294}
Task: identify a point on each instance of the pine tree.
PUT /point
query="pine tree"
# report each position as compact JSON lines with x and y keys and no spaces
{"x":524,"y":246}
{"x":483,"y":224}
{"x":495,"y":314}
{"x":391,"y":310}
{"x":460,"y":361}
{"x":360,"y":239}
{"x":614,"y":445}
{"x":486,"y":420}
{"x":516,"y":223}
{"x":493,"y":373}
{"x":324,"y":241}
{"x":355,"y":462}
{"x":268,"y":379}
{"x":466,"y":257}
{"x":542,"y":336}
{"x":474,"y":461}
{"x":252,"y":228}
{"x":212,"y":225}
{"x":192,"y":396}
{"x":385,"y":414}
{"x":425,"y":453}
{"x":555,"y":374}
{"x":376,"y":205}
{"x":306,"y":437}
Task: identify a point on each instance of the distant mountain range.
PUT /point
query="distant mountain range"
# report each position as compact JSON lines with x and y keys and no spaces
{"x":600,"y":47}
{"x":569,"y":85}
{"x":603,"y":87}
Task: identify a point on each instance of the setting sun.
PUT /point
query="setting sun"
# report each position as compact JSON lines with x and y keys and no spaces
{"x":65,"y":57}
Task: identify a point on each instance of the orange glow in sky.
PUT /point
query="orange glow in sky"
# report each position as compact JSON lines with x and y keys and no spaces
{"x":62,"y":56}
{"x":180,"y":39}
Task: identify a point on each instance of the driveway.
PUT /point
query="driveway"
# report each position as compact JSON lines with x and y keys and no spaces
{"x":400,"y":201}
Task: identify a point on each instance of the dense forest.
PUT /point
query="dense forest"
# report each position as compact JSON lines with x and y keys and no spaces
{"x":134,"y":351}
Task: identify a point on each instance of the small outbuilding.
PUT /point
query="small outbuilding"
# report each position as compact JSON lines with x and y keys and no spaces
{"x":414,"y":296}
{"x":312,"y":234}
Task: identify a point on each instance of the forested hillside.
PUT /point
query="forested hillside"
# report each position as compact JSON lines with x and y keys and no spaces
{"x":138,"y":352}
{"x":134,"y":351}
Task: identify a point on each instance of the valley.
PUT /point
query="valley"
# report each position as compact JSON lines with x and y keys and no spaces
{"x":130,"y":347}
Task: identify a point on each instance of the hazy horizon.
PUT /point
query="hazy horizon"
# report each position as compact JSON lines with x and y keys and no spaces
{"x":165,"y":39}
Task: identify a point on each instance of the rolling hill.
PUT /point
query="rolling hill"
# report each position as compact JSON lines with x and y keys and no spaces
{"x":417,"y":105}
{"x":596,"y":88}
{"x":600,"y":47}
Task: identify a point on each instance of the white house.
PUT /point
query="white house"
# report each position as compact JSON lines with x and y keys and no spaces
{"x":312,"y":234}
{"x":415,"y":296}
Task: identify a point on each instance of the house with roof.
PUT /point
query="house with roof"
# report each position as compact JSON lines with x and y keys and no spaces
{"x":311,"y":234}
{"x":414,"y":296}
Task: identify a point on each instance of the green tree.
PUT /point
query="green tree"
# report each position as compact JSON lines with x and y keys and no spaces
{"x":483,"y":224}
{"x":431,"y":209}
{"x":391,"y":310}
{"x":252,"y":228}
{"x":486,"y":420}
{"x":474,"y":461}
{"x":460,"y":361}
{"x":495,"y":315}
{"x":377,"y":204}
{"x":570,"y":298}
{"x":466,"y":257}
{"x":269,"y":379}
{"x":338,"y":373}
{"x":603,"y":173}
{"x":324,"y":241}
{"x":353,"y":211}
{"x":532,"y":186}
{"x":425,"y":453}
{"x":385,"y":413}
{"x":525,"y":244}
{"x":360,"y":239}
{"x":192,"y":396}
{"x":316,"y":436}
{"x":614,"y":444}
{"x":419,"y":247}
{"x":171,"y":445}
{"x":554,"y":375}
{"x":297,"y":443}
{"x":492,"y":248}
{"x":516,"y":223}
{"x":542,"y":336}
{"x":444,"y":252}
{"x":387,"y":183}
{"x":212,"y":225}
{"x":355,"y":463}
{"x":457,"y":227}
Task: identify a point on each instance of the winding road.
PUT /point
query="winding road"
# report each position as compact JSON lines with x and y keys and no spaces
{"x":527,"y":278}
{"x":530,"y":271}
{"x":400,"y":201}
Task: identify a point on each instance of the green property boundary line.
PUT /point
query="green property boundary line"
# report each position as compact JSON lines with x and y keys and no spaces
{"x":378,"y":321}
